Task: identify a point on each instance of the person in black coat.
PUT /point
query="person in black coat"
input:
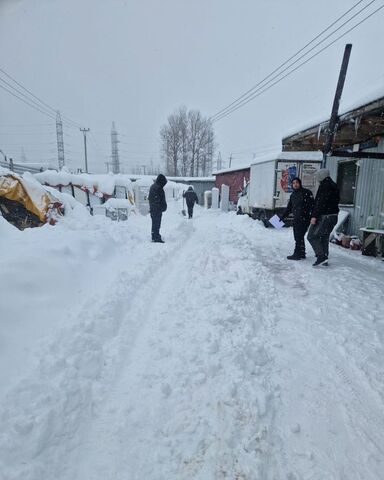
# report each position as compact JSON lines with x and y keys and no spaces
{"x":190,"y":199}
{"x":324,"y":216}
{"x":157,"y":205}
{"x":300,"y":205}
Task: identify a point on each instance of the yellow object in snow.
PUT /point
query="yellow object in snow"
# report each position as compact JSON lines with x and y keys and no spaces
{"x":29,"y":194}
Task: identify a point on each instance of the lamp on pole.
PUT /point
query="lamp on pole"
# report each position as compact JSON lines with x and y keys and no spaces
{"x":85,"y":130}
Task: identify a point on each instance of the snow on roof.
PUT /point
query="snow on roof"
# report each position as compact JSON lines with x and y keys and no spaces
{"x":233,"y":169}
{"x":104,"y":183}
{"x":291,"y":156}
{"x":375,"y":93}
{"x":147,"y":181}
{"x":277,"y":155}
{"x":192,"y":179}
{"x":175,"y":179}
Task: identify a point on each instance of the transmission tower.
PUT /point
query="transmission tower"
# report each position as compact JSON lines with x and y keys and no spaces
{"x":115,"y":150}
{"x":60,"y":140}
{"x":23,"y":158}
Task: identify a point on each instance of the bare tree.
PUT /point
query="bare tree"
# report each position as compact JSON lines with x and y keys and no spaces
{"x":187,"y":143}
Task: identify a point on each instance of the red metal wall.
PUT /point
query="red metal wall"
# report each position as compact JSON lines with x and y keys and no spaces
{"x":234,"y":180}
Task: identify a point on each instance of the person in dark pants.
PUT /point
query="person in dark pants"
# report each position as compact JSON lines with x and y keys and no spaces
{"x":300,"y":205}
{"x":157,"y":205}
{"x":324,"y":216}
{"x":190,"y":198}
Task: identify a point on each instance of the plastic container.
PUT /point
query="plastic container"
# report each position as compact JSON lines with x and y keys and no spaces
{"x":370,"y":222}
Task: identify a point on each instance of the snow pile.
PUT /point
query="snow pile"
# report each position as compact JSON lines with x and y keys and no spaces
{"x":210,"y":356}
{"x":5,"y":171}
{"x":118,"y":203}
{"x":7,"y":231}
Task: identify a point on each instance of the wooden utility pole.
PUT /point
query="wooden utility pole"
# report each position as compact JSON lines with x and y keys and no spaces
{"x":333,"y":121}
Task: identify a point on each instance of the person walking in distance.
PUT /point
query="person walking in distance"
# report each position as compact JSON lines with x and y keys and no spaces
{"x":190,"y":198}
{"x":324,"y":216}
{"x":300,"y":205}
{"x":157,"y":205}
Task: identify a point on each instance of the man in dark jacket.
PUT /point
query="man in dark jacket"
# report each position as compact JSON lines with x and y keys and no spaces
{"x":300,"y":205}
{"x":190,"y":198}
{"x":324,"y":216}
{"x":157,"y":205}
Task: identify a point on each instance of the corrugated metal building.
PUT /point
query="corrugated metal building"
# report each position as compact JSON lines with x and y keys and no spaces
{"x":366,"y":187}
{"x":356,"y":163}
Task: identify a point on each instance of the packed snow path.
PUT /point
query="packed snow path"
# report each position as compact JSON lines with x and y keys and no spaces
{"x":209,"y":357}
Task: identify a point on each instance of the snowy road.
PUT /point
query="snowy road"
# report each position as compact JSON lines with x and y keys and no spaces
{"x":209,"y":357}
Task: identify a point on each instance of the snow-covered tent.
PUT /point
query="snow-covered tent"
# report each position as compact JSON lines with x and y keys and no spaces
{"x":89,"y":189}
{"x":25,"y":203}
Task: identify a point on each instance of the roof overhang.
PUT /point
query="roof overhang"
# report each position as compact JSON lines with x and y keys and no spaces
{"x":357,"y":126}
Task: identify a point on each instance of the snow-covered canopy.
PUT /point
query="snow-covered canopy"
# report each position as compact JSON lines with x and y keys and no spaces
{"x":366,"y":98}
{"x":92,"y":182}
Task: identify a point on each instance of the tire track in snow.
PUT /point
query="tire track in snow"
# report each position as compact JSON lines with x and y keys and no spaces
{"x":178,"y":362}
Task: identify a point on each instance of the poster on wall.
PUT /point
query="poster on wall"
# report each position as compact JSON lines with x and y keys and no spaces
{"x":286,"y":172}
{"x":287,"y":175}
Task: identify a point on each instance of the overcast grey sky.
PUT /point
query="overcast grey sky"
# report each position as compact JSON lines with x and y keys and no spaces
{"x":135,"y":61}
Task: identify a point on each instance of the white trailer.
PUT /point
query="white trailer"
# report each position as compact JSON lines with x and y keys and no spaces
{"x":270,"y":184}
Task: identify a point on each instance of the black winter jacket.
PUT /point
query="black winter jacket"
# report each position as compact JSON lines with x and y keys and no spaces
{"x":156,"y":197}
{"x":327,"y":199}
{"x":190,"y":198}
{"x":300,"y":205}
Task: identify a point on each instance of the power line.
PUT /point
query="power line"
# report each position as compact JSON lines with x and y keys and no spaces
{"x":259,"y":88}
{"x":22,"y":134}
{"x":46,"y":105}
{"x":24,"y":96}
{"x":25,"y":101}
{"x":289,"y":59}
{"x":299,"y":66}
{"x":21,"y":125}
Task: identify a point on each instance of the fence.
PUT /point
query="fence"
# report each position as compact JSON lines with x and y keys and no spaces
{"x":19,"y":167}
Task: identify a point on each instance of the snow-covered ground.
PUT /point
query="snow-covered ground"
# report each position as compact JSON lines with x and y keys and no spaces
{"x":208,"y":357}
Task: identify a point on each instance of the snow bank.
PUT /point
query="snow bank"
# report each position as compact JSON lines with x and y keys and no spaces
{"x":7,"y":231}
